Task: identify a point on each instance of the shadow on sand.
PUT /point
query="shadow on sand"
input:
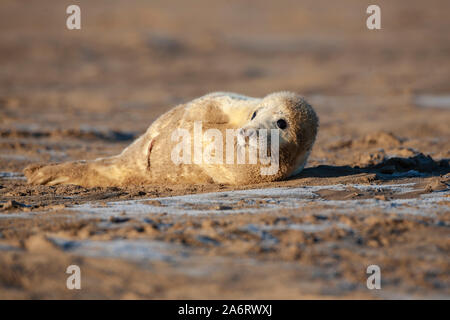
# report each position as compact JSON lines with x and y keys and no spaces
{"x":388,"y":169}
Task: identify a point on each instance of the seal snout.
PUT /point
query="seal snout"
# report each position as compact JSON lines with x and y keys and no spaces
{"x":248,"y":136}
{"x":248,"y":132}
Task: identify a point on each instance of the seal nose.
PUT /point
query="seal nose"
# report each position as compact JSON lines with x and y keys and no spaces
{"x":251,"y":133}
{"x":248,"y":134}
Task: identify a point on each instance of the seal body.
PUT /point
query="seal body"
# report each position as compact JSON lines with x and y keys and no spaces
{"x":173,"y":149}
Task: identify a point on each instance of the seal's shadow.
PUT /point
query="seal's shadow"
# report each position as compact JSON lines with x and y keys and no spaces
{"x":388,"y":169}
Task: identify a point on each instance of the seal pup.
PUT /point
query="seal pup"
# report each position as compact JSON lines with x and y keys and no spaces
{"x":150,"y":158}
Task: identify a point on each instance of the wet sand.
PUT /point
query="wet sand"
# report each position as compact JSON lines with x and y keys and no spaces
{"x":375,"y":190}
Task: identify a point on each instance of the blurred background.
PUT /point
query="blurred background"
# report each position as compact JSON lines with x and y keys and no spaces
{"x":132,"y":58}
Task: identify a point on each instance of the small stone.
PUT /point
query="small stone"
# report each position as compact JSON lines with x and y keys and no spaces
{"x":12,"y":204}
{"x":154,"y":203}
{"x":436,"y":185}
{"x":352,"y":195}
{"x":118,"y":219}
{"x":381,"y":197}
{"x":221,"y":207}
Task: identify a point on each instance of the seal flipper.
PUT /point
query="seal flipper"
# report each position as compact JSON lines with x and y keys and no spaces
{"x":131,"y":166}
{"x":84,"y":173}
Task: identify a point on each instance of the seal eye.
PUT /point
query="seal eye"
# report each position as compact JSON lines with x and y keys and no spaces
{"x":253,"y":115}
{"x":281,"y":124}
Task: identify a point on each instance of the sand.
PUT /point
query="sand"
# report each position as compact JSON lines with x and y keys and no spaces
{"x":375,"y":190}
